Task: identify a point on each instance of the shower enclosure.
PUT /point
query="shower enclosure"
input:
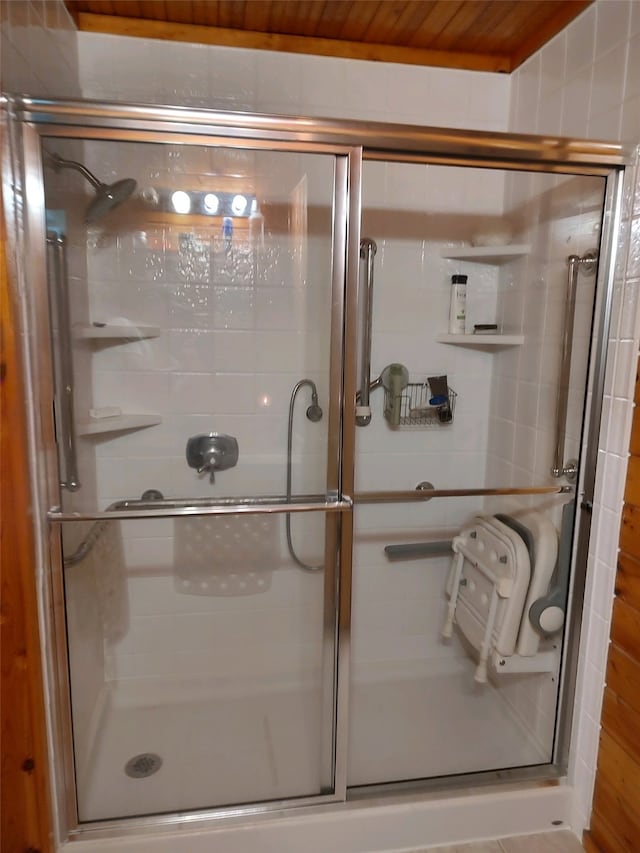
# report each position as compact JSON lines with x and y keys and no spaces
{"x":250,"y":478}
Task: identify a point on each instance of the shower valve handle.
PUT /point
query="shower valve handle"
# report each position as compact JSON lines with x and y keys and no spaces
{"x":212,"y":452}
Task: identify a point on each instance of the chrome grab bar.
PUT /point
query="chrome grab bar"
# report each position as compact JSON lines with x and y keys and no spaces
{"x":368,"y":251}
{"x":588,"y":263}
{"x":417,"y":495}
{"x":59,"y":295}
{"x":170,"y":508}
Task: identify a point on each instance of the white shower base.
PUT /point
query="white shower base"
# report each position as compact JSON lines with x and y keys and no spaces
{"x":256,"y":746}
{"x":435,"y":723}
{"x":215,"y":750}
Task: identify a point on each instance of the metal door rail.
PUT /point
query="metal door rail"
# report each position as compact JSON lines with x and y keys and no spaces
{"x":417,"y":495}
{"x":368,"y":251}
{"x":588,"y":263}
{"x":59,"y":294}
{"x":168,"y":508}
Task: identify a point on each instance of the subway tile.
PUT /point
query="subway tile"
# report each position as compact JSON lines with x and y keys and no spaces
{"x":608,"y":83}
{"x":581,"y":41}
{"x":612,"y":25}
{"x":633,"y":259}
{"x":630,"y":129}
{"x":553,"y":64}
{"x":577,"y":97}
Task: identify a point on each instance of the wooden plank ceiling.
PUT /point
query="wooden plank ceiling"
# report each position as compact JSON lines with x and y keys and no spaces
{"x":483,"y":35}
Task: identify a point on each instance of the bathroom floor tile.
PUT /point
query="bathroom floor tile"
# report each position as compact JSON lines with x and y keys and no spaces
{"x":546,"y":842}
{"x":561,"y":841}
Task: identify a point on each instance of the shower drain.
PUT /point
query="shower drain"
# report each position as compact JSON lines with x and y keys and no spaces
{"x":145,"y":764}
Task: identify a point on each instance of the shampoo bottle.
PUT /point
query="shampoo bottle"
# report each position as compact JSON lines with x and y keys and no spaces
{"x":457,"y":310}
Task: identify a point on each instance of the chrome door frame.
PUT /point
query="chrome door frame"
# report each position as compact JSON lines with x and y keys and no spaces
{"x":31,"y":118}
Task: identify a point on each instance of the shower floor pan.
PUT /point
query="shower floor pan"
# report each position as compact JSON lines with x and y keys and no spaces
{"x":261,"y":746}
{"x":215,"y":751}
{"x":438,"y":723}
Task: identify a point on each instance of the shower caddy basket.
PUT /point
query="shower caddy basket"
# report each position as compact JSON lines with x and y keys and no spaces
{"x":415,"y":410}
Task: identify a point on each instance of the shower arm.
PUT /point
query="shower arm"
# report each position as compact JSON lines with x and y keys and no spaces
{"x":61,"y":163}
{"x":368,"y":250}
{"x":574,"y":263}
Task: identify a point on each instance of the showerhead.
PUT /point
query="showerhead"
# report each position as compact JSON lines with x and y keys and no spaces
{"x":314,"y":412}
{"x":394,"y":378}
{"x":107,"y":197}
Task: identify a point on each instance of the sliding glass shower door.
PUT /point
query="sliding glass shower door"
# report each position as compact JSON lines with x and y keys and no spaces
{"x":196,"y":301}
{"x":453,"y":670}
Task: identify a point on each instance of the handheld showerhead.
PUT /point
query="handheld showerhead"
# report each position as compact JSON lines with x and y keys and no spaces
{"x":314,"y":412}
{"x":107,"y":197}
{"x":395,"y":378}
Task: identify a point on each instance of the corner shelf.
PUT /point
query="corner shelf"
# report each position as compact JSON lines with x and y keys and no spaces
{"x":106,"y":332}
{"x":482,"y":340}
{"x":117,"y":424}
{"x":487,"y":254}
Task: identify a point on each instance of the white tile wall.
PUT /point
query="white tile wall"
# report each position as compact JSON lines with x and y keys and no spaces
{"x":38,"y":52}
{"x":596,"y":92}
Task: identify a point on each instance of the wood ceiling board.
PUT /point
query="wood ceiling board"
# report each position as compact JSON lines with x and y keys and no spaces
{"x":140,"y":28}
{"x":256,"y":15}
{"x":462,"y":22}
{"x":299,"y":19}
{"x":391,"y":23}
{"x":205,"y":12}
{"x":435,"y":22}
{"x":493,"y":31}
{"x":180,"y":11}
{"x":332,"y":20}
{"x":502,"y":33}
{"x":230,"y":15}
{"x":127,"y":8}
{"x":358,"y":19}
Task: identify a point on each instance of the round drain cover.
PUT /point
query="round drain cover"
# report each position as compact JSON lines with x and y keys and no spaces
{"x":145,"y":764}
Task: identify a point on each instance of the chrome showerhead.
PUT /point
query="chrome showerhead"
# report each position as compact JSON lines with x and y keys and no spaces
{"x":314,"y":412}
{"x":107,"y":197}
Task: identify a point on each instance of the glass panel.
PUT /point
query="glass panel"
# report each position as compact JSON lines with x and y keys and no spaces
{"x":197,"y":349}
{"x":417,"y":696}
{"x":197,"y":663}
{"x":196,"y":303}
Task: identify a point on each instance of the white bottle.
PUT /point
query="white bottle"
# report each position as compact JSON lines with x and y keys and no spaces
{"x":458,"y":307}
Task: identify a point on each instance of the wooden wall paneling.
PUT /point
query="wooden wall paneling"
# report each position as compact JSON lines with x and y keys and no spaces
{"x":632,"y":490}
{"x":625,"y":627}
{"x":25,"y":821}
{"x":630,"y":531}
{"x":628,"y":579}
{"x":622,"y":722}
{"x":615,"y":819}
{"x":623,"y":677}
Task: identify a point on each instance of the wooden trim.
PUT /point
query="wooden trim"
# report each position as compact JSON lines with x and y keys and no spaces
{"x":225,"y":37}
{"x":26,"y":814}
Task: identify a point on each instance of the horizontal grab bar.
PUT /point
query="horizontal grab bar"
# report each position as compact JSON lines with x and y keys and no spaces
{"x":418,"y":549}
{"x":176,"y":509}
{"x":416,"y":495}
